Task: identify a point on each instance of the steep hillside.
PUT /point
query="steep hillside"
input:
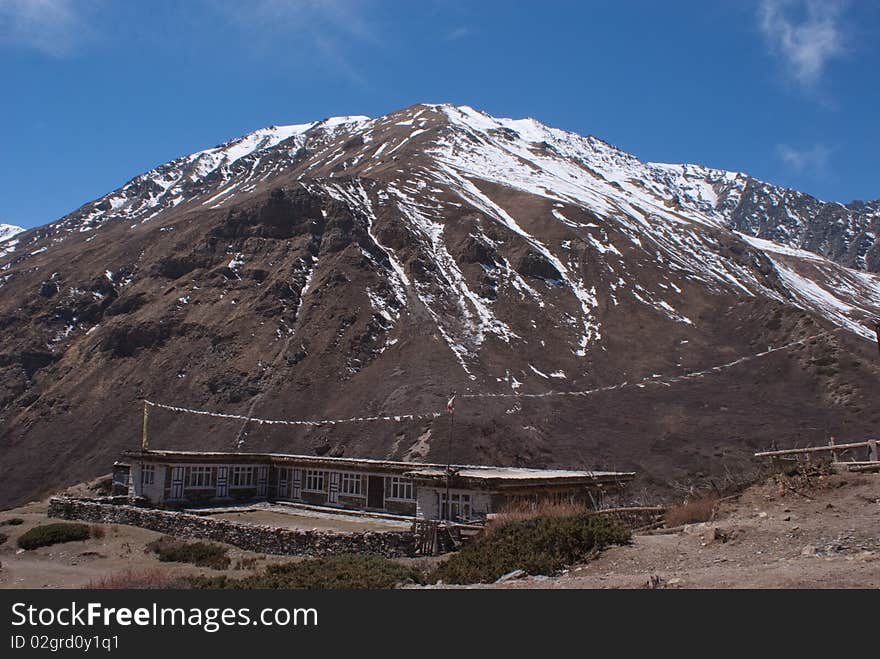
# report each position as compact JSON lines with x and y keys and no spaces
{"x":355,"y":267}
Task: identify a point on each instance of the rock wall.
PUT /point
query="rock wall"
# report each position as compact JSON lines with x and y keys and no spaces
{"x":263,"y":539}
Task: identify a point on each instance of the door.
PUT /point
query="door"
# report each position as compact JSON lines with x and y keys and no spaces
{"x":283,"y":482}
{"x":376,"y":492}
{"x":333,"y":491}
{"x":297,"y":484}
{"x":222,"y":481}
{"x":177,"y":482}
{"x":262,"y":481}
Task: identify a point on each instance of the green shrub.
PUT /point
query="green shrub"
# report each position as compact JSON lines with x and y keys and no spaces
{"x":345,"y":571}
{"x":52,"y":534}
{"x":538,"y":546}
{"x":203,"y":554}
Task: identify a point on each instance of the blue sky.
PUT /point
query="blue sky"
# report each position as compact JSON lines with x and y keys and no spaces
{"x":96,"y":91}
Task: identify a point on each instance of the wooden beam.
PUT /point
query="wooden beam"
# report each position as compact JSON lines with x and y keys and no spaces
{"x":813,"y":449}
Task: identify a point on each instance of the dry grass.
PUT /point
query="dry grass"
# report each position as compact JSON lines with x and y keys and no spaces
{"x":247,"y":563}
{"x":96,"y":531}
{"x":525,"y":510}
{"x":140,"y":580}
{"x":694,"y":511}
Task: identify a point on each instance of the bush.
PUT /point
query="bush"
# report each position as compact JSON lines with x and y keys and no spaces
{"x":97,"y":531}
{"x":52,"y":534}
{"x":3,"y":538}
{"x":203,"y":554}
{"x":542,"y":545}
{"x":692,"y":512}
{"x":12,"y":521}
{"x":345,"y":571}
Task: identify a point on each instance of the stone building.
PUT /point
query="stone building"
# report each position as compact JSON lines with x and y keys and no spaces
{"x":178,"y":479}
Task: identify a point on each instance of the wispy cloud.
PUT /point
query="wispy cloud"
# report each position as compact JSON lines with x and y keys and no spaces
{"x":462,"y":32}
{"x":53,"y":27}
{"x":812,"y":160}
{"x":806,"y":34}
{"x":330,"y":27}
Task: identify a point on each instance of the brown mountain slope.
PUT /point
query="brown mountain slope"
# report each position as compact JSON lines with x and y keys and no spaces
{"x":372,"y":267}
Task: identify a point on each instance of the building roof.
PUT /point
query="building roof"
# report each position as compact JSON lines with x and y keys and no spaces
{"x":515,"y":476}
{"x":420,"y":471}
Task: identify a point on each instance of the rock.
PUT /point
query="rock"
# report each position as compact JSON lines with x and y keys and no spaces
{"x":809,"y":550}
{"x":695,"y":529}
{"x":714,"y":534}
{"x":762,"y":515}
{"x":654,"y":582}
{"x":510,"y":576}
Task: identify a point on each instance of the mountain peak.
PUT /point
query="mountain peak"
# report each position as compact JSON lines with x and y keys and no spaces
{"x":7,"y":231}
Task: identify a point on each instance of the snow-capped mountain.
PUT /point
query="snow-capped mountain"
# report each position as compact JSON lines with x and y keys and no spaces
{"x":354,"y":265}
{"x":7,"y":232}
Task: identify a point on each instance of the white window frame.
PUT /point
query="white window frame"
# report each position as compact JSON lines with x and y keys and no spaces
{"x":313,"y":475}
{"x":148,"y":475}
{"x":351,"y":484}
{"x":199,"y":477}
{"x":462,"y":502}
{"x":401,"y":489}
{"x":242,"y":476}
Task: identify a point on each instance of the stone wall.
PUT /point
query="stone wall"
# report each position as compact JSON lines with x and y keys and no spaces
{"x":262,"y":539}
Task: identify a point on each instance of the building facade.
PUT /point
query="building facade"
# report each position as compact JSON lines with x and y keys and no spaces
{"x":179,"y":479}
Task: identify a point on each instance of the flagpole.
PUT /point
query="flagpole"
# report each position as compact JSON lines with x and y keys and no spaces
{"x":144,"y":431}
{"x":450,"y":406}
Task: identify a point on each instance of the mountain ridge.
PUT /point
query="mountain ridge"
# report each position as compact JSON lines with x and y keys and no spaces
{"x":845,"y":233}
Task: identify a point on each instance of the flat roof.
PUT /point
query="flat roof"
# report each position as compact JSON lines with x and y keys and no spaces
{"x":417,"y":470}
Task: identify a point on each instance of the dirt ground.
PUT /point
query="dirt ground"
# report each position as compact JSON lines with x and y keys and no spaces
{"x":828,"y":536}
{"x":314,"y":520}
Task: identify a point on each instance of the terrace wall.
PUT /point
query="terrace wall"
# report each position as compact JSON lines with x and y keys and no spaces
{"x":263,"y":539}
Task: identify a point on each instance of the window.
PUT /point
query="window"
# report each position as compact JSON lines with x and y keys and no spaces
{"x":351,"y":485}
{"x":200,"y":477}
{"x":242,"y":477}
{"x":460,"y":509}
{"x":148,"y":474}
{"x":314,"y":480}
{"x":400,"y":488}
